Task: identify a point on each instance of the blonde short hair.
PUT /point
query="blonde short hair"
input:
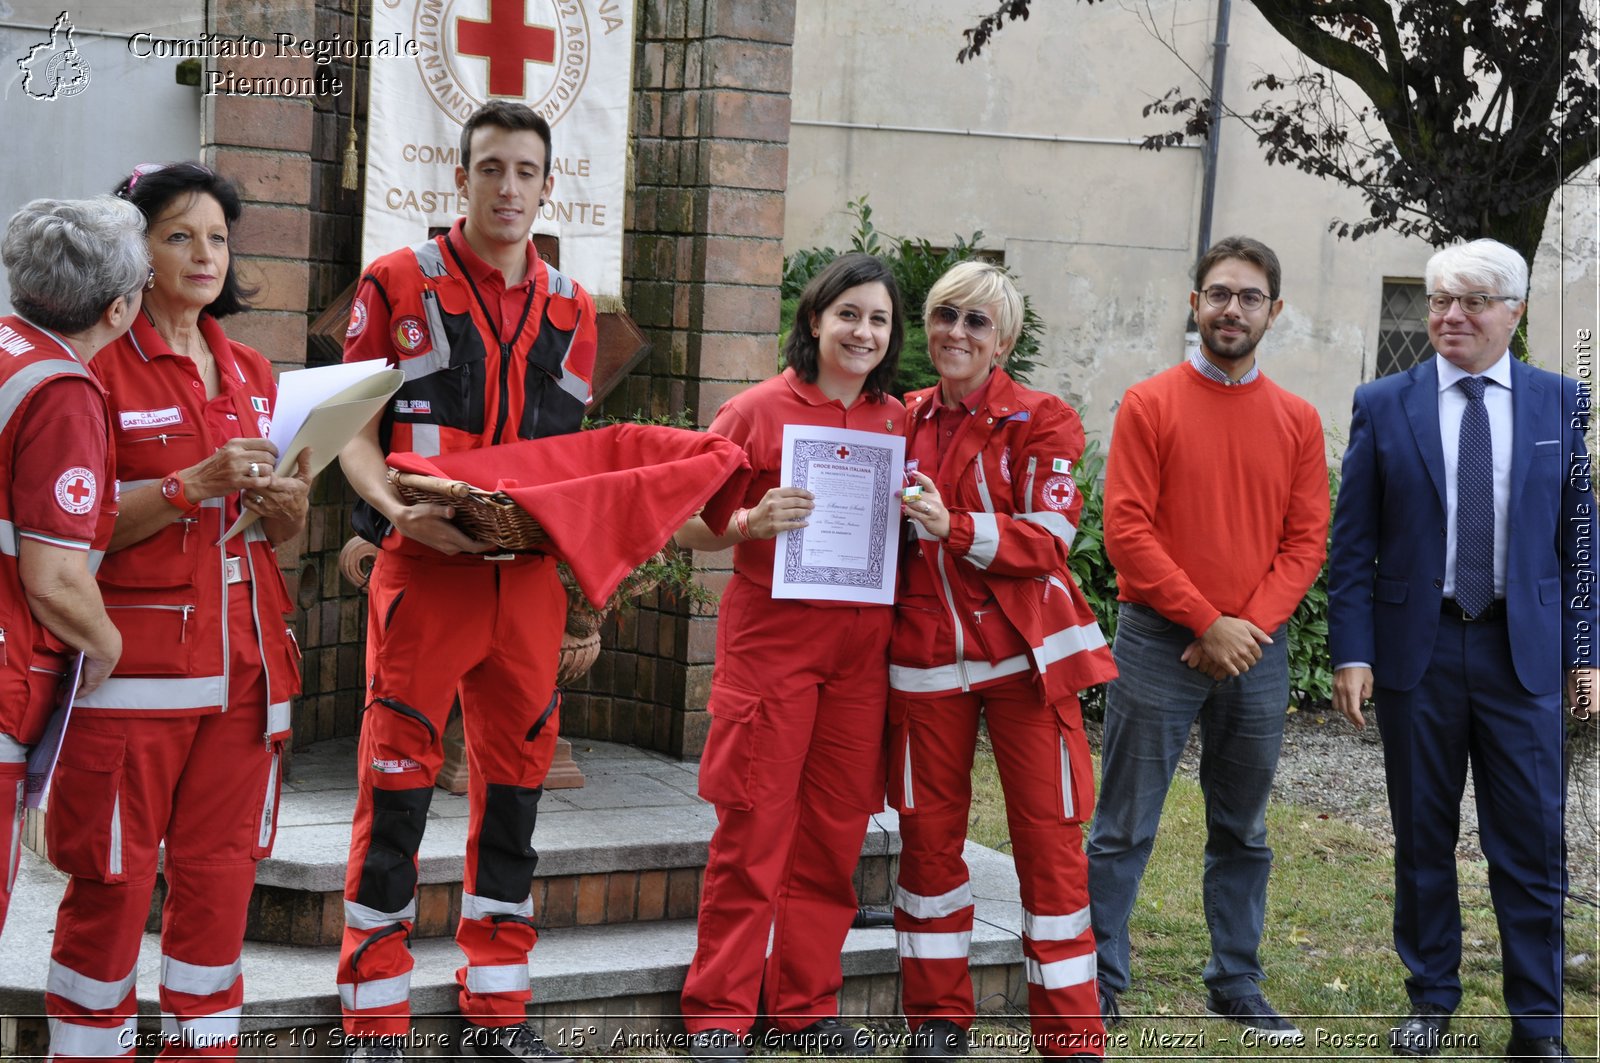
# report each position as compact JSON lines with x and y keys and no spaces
{"x":976,"y":283}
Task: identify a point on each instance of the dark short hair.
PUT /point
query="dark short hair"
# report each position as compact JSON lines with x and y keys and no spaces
{"x":508,"y":115}
{"x":1249,"y":250}
{"x":153,"y":189}
{"x":800,"y":351}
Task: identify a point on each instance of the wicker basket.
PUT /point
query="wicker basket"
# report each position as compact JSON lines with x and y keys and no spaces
{"x":487,"y":516}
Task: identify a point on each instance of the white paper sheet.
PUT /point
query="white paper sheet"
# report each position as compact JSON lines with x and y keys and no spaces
{"x":42,"y":761}
{"x":848,"y":550}
{"x":323,"y":408}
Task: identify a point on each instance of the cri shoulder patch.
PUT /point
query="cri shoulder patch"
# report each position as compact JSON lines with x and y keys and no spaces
{"x":76,"y":490}
{"x":1058,"y":491}
{"x":358,"y":319}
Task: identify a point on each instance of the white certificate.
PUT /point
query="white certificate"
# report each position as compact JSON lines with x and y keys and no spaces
{"x":848,"y":548}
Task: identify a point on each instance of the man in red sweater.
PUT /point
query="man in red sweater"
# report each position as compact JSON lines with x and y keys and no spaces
{"x":1216,"y":518}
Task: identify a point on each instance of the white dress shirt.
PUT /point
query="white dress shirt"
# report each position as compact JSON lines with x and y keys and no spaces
{"x":1452,"y":407}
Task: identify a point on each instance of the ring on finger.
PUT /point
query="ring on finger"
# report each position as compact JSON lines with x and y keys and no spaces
{"x":255,"y":470}
{"x":259,"y":500}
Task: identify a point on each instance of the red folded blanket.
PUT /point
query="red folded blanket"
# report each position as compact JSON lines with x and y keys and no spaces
{"x":609,"y":498}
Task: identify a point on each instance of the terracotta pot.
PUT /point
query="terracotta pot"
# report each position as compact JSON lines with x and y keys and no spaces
{"x":355,"y":561}
{"x":578,"y":654}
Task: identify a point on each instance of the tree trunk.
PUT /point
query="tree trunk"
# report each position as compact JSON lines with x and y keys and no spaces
{"x":1521,"y":232}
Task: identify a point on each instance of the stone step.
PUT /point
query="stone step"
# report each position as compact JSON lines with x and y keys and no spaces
{"x":629,"y":846}
{"x":590,"y":983}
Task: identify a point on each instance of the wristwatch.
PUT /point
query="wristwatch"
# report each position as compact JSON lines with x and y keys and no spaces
{"x":172,"y":491}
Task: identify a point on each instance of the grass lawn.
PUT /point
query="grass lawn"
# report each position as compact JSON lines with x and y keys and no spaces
{"x":1328,"y":948}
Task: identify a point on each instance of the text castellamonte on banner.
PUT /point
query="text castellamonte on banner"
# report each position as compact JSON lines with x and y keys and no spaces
{"x":570,"y":60}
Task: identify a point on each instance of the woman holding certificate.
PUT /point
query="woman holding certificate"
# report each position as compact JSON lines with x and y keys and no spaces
{"x":794,"y":759}
{"x":180,"y":747}
{"x":988,"y":620}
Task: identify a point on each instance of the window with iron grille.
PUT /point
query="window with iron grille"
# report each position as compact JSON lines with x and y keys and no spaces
{"x":1403,"y":326}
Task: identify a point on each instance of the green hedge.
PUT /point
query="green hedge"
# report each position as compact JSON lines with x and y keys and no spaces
{"x":916,"y":264}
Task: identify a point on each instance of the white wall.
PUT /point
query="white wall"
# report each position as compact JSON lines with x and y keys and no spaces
{"x":1101,"y":233}
{"x":132,"y":110}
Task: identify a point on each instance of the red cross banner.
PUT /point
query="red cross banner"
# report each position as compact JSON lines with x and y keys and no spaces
{"x":570,"y":60}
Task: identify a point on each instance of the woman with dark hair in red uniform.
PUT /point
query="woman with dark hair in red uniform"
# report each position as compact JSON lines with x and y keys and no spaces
{"x":181,"y":745}
{"x":794,"y":759}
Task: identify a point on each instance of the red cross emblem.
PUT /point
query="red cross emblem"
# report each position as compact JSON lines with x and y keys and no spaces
{"x":75,"y":490}
{"x":843,"y":452}
{"x":507,"y":41}
{"x":1058,"y":491}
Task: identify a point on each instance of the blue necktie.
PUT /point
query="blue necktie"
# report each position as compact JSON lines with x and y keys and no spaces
{"x":1474,"y":504}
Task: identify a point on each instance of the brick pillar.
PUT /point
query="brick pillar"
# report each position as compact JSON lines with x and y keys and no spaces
{"x":283,"y":151}
{"x":704,"y":265}
{"x":264,"y":144}
{"x":333,"y":623}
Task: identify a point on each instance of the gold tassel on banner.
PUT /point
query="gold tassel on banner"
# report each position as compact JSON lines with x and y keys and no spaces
{"x":350,"y":177}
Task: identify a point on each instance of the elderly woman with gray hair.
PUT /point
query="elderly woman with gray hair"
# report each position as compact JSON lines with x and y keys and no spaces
{"x":176,"y":757}
{"x":77,"y":270}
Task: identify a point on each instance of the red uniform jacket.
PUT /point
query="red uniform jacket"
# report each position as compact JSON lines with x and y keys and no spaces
{"x":1014,"y":510}
{"x":32,"y":358}
{"x":467,"y":386}
{"x":168,"y":594}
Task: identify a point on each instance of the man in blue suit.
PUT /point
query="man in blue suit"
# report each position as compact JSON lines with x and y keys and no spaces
{"x":1460,"y":589}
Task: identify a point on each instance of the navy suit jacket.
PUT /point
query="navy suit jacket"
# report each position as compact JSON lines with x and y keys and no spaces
{"x":1386,"y":561}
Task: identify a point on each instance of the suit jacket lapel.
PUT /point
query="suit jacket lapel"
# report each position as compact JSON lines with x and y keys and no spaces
{"x":1527,"y":399}
{"x":1421,"y":400}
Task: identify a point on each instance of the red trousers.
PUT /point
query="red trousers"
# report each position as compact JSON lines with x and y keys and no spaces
{"x":44,"y":689}
{"x":207,"y":786}
{"x":794,"y":764}
{"x":490,"y":632}
{"x":1048,"y":780}
{"x":13,"y":770}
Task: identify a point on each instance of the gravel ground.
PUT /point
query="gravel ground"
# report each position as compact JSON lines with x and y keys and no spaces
{"x":1327,"y":766}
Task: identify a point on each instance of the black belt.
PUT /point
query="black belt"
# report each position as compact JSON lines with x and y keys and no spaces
{"x":1496,"y":611}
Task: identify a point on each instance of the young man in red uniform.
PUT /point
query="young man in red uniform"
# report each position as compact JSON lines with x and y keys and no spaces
{"x":76,"y":270}
{"x":1216,"y":518}
{"x":496,"y":347}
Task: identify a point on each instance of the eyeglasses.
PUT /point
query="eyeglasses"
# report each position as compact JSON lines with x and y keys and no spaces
{"x":1250,"y":299}
{"x":1474,"y":303}
{"x":978,"y":326}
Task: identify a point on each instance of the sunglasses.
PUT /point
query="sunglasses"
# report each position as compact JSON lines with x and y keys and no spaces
{"x":978,"y":325}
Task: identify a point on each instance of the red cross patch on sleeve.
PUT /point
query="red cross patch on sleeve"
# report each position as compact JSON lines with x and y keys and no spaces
{"x":76,"y":490}
{"x":1058,"y":491}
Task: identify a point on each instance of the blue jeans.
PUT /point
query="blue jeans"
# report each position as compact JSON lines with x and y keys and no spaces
{"x":1149,"y":710}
